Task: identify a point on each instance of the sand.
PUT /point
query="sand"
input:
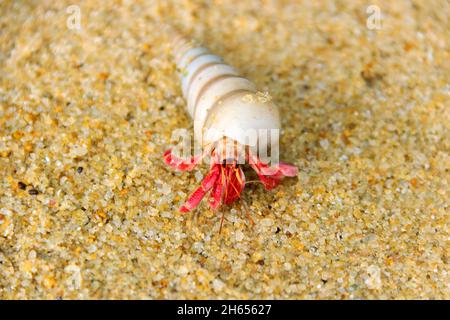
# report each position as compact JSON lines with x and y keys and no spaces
{"x":88,"y":209}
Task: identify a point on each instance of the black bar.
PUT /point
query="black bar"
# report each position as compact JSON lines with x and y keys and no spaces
{"x":227,"y":309}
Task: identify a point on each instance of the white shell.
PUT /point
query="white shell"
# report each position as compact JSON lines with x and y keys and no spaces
{"x":221,"y":103}
{"x":191,"y":55}
{"x":190,"y":72}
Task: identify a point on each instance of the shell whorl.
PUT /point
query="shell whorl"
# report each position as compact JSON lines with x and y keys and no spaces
{"x":217,"y":95}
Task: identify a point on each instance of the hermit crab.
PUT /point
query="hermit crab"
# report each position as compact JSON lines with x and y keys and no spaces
{"x":232,"y":122}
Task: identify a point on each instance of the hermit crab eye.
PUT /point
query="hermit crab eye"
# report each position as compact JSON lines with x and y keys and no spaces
{"x":229,"y":161}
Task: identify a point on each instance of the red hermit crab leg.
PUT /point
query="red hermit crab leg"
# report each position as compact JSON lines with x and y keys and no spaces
{"x":206,"y":185}
{"x":182,"y":164}
{"x":271,"y":176}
